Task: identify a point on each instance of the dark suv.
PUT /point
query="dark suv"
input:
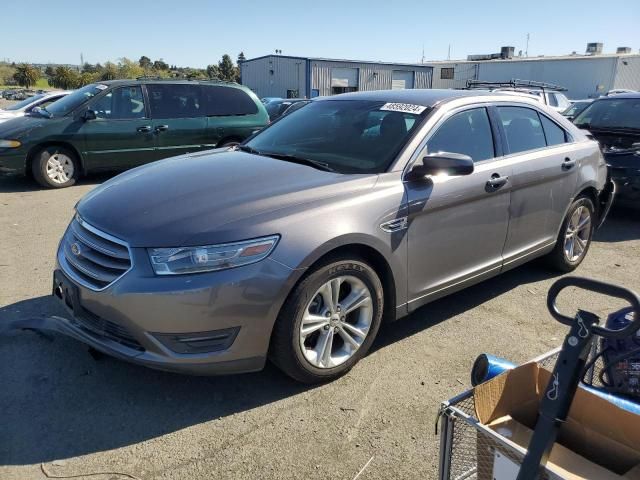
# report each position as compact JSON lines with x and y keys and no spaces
{"x":121,"y":124}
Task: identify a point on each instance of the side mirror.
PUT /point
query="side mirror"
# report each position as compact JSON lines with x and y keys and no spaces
{"x":88,"y":115}
{"x":442,"y":162}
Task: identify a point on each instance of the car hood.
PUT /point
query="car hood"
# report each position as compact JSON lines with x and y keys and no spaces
{"x":18,"y":127}
{"x":10,"y":113}
{"x":213,"y":197}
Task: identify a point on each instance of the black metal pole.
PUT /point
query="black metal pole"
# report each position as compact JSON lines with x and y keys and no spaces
{"x":559,"y":394}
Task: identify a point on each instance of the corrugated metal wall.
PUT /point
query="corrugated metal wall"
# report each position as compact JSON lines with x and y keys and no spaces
{"x":584,"y":77}
{"x":288,"y":74}
{"x":628,"y":73}
{"x":462,"y":72}
{"x":371,"y":76}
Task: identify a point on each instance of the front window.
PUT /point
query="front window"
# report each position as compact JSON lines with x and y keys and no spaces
{"x":523,"y":129}
{"x":467,"y":132}
{"x":614,"y":113}
{"x":24,"y":103}
{"x":120,"y":104}
{"x":74,"y":100}
{"x":350,"y":136}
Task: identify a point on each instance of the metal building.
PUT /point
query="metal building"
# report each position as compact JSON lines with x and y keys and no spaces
{"x":585,"y":76}
{"x":291,"y":77}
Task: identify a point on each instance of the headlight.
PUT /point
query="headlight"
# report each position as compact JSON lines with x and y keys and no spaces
{"x":175,"y":261}
{"x":9,"y":143}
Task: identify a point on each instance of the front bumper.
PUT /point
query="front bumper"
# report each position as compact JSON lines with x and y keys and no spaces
{"x":627,"y":185}
{"x":12,"y":162}
{"x":140,"y":317}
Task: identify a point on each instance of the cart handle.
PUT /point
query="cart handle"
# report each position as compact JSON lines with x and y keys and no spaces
{"x":599,"y":287}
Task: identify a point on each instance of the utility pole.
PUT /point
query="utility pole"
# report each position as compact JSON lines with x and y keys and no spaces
{"x":526,"y":50}
{"x":449,"y":53}
{"x":422,"y":53}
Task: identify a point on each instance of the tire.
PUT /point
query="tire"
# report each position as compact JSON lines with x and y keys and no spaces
{"x":295,"y":354}
{"x":564,"y":257}
{"x":55,"y":167}
{"x":229,"y":143}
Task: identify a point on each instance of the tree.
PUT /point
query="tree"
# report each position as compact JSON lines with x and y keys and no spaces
{"x":109,"y":72}
{"x":49,"y":71}
{"x":89,"y":68}
{"x":6,"y":74}
{"x":26,"y":75}
{"x":129,"y":69}
{"x":65,"y":78}
{"x":213,"y":71}
{"x":228,"y":71}
{"x":145,"y":62}
{"x":160,"y":65}
{"x":241,"y":58}
{"x":86,"y":78}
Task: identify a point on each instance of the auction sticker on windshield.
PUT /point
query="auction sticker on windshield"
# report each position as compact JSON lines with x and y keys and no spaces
{"x":404,"y":108}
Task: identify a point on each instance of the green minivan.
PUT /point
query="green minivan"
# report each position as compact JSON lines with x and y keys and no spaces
{"x":119,"y":124}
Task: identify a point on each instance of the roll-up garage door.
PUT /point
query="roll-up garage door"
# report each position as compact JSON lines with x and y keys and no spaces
{"x":344,"y":77}
{"x":402,"y":79}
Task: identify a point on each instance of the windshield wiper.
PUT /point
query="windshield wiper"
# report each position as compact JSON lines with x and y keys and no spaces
{"x":301,"y":160}
{"x":248,"y":149}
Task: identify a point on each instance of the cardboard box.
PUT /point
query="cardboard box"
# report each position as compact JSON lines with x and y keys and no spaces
{"x":598,"y":440}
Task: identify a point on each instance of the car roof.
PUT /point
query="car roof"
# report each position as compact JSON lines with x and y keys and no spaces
{"x":618,"y":96}
{"x":424,"y":97}
{"x":173,"y":81}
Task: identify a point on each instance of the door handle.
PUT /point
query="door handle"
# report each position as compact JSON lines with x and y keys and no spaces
{"x":144,"y":129}
{"x":496,"y":181}
{"x":162,"y":128}
{"x":568,"y":164}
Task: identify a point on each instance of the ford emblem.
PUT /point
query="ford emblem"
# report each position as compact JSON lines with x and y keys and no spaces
{"x":75,"y":249}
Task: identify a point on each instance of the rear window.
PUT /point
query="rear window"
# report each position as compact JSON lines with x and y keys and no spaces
{"x":553,"y":133}
{"x":226,"y":101}
{"x":522,"y":128}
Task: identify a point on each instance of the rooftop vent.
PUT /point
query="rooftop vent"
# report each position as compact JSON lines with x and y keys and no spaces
{"x":507,"y":52}
{"x":594,"y":48}
{"x":623,"y":50}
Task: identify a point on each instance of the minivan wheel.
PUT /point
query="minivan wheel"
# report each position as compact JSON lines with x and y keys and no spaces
{"x":575,"y":236}
{"x":55,"y":167}
{"x":329,"y":321}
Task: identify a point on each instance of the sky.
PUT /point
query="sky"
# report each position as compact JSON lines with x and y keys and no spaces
{"x":198,"y":32}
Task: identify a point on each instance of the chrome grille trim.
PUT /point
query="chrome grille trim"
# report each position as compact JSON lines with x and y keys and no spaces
{"x":103,"y":258}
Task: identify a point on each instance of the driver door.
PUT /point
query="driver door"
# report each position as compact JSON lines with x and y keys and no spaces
{"x":121,"y":136}
{"x":458,"y":224}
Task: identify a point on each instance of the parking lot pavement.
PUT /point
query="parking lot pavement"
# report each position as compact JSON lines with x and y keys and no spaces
{"x":78,"y":415}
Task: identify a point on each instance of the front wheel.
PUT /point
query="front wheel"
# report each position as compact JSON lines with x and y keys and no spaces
{"x":575,"y":236}
{"x":55,"y":167}
{"x":329,"y":322}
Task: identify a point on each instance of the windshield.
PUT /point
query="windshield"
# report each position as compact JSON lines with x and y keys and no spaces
{"x":350,"y":136}
{"x":75,"y":99}
{"x":575,"y":109}
{"x":25,"y":103}
{"x":614,"y":113}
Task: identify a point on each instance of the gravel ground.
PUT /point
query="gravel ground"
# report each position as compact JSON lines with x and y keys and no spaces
{"x":77,"y":415}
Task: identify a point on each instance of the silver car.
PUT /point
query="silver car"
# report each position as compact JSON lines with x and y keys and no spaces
{"x":24,"y":107}
{"x":298,"y":244}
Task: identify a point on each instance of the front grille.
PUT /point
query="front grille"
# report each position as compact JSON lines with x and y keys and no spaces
{"x":91,"y":257}
{"x":106,"y":329}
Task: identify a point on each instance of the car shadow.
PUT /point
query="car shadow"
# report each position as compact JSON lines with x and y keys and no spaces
{"x":622,"y":224}
{"x":22,"y":184}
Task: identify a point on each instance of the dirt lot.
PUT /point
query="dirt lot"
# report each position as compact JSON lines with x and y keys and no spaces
{"x":76,"y":415}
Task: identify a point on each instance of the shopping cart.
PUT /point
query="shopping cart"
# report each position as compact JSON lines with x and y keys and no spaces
{"x":471,"y":450}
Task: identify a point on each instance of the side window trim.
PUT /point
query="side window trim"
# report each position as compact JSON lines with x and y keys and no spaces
{"x":568,"y":138}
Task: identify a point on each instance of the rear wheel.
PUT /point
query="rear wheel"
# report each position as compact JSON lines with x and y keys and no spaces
{"x":55,"y":167}
{"x":575,"y":236}
{"x":329,"y":322}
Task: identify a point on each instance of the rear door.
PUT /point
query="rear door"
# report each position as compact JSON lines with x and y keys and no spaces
{"x":179,"y":118}
{"x":458,"y":224}
{"x":544,"y":178}
{"x":121,"y":134}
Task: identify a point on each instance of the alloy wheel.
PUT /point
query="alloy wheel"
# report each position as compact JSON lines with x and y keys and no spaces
{"x":578,"y":234}
{"x":336,"y":321}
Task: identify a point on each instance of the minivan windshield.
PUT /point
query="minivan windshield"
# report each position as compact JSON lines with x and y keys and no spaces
{"x":347,"y":136}
{"x":619,"y":113}
{"x":70,"y":102}
{"x":25,"y":103}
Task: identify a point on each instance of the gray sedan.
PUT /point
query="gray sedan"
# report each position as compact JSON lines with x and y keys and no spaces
{"x":298,"y":244}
